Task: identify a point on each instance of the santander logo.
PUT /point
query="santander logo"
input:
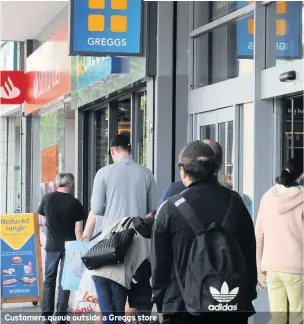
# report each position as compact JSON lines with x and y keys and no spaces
{"x":9,"y":91}
{"x":12,"y":87}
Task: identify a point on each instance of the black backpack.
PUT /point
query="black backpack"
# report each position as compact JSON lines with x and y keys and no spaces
{"x":216,"y":275}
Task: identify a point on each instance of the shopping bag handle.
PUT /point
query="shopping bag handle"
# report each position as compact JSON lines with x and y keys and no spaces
{"x":94,"y":237}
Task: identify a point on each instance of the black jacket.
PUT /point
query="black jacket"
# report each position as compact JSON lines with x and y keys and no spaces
{"x":175,"y":188}
{"x":172,"y":238}
{"x":140,"y":294}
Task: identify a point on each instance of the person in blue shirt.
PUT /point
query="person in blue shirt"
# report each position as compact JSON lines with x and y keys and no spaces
{"x":177,"y":187}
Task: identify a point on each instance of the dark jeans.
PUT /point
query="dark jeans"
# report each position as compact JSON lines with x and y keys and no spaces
{"x":206,"y":319}
{"x":143,"y":316}
{"x":52,"y":260}
{"x":112,"y":299}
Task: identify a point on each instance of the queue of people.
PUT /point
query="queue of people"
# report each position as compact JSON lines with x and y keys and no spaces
{"x":199,"y":258}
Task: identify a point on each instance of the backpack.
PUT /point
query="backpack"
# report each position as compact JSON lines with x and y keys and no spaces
{"x":216,"y":274}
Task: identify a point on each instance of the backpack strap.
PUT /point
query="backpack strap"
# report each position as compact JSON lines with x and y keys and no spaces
{"x":188,"y":214}
{"x":231,"y":218}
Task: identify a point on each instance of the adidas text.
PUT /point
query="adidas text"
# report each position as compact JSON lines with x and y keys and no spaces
{"x":222,"y":308}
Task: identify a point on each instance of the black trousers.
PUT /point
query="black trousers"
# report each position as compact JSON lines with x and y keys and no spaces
{"x":237,"y":318}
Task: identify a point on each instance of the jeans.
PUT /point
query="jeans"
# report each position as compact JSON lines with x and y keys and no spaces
{"x":143,"y":316}
{"x":112,"y":299}
{"x":284,"y":288}
{"x":52,"y":260}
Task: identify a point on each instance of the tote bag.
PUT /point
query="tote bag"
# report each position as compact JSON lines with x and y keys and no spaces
{"x":112,"y":249}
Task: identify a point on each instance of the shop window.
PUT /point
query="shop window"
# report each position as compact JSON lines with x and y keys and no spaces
{"x":124,"y":118}
{"x":225,"y":138}
{"x":52,"y":143}
{"x":208,"y":131}
{"x":221,"y":131}
{"x":225,"y":52}
{"x":205,"y":12}
{"x":143,"y":136}
{"x":102,"y":136}
{"x":284,"y":38}
{"x":293,"y":126}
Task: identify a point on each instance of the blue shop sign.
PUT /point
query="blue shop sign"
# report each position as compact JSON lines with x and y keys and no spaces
{"x":92,"y":69}
{"x":106,"y":27}
{"x":288,"y":31}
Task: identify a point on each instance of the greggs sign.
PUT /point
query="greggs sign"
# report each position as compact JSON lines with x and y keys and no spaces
{"x":48,"y":71}
{"x":47,"y":77}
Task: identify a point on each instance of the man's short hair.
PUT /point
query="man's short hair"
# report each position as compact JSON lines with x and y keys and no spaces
{"x":217,"y":149}
{"x":121,"y":143}
{"x":65,"y":180}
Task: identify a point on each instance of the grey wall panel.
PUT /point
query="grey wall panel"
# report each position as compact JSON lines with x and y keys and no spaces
{"x":53,"y":25}
{"x":181,"y":119}
{"x":223,"y":94}
{"x":271,"y":86}
{"x":163,"y":97}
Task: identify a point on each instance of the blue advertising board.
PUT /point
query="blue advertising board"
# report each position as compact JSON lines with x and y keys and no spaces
{"x":106,"y":27}
{"x":19,"y":273}
{"x":288,"y":31}
{"x":91,"y":69}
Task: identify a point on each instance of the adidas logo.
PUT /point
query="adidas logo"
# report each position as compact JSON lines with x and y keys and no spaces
{"x":223,"y":297}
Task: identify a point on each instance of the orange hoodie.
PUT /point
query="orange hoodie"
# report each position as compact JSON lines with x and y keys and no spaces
{"x":279,"y":230}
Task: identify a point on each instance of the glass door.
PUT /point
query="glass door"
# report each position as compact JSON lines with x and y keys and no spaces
{"x":219,"y":125}
{"x":293,"y":129}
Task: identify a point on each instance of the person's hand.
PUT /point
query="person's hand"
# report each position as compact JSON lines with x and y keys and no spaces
{"x":85,"y":238}
{"x":151,"y":214}
{"x":261,"y":280}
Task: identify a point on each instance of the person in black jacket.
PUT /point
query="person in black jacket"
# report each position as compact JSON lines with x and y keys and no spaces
{"x":172,"y":238}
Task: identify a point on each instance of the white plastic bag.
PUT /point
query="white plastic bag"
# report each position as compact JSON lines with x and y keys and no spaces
{"x":73,"y":265}
{"x":84,"y":300}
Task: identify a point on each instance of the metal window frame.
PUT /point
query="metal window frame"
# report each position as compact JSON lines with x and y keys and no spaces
{"x":194,"y":33}
{"x":221,"y":21}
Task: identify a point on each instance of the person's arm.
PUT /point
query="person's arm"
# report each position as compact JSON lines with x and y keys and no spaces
{"x":90,"y":225}
{"x":41,"y":211}
{"x":79,"y":230}
{"x":161,"y":256}
{"x":79,"y":216}
{"x":98,"y":199}
{"x":151,"y":195}
{"x":259,"y":233}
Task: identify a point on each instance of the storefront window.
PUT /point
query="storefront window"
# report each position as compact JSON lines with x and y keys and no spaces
{"x":142,"y":144}
{"x":208,"y":131}
{"x":224,"y":53}
{"x":285,"y":40}
{"x":52,"y":145}
{"x":225,"y":139}
{"x":206,"y":11}
{"x":102,"y":136}
{"x":293,"y":129}
{"x":124,"y":118}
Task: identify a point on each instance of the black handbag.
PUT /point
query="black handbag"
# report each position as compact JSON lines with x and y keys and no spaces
{"x":111,"y":250}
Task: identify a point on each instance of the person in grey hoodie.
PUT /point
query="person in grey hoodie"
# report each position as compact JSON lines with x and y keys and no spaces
{"x":279,"y":237}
